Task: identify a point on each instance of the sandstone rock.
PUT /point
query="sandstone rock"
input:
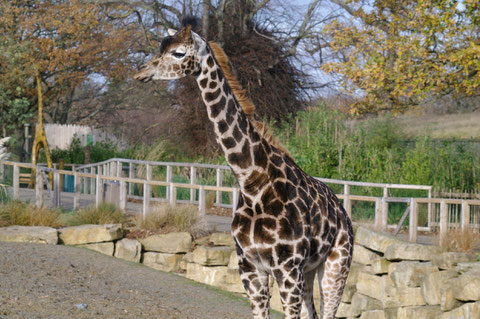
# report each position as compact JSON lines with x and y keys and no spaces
{"x":232,"y":282}
{"x":447,"y":299}
{"x":432,"y":284}
{"x":202,"y":241}
{"x":348,"y":293}
{"x":172,"y":243}
{"x":128,"y":249}
{"x":378,"y":287}
{"x":374,"y":240}
{"x":222,"y":239}
{"x":86,"y":234}
{"x":233,"y":261}
{"x":427,"y":312}
{"x":407,"y":251}
{"x":364,"y":256}
{"x":408,"y":296}
{"x":29,"y":234}
{"x":380,"y":266}
{"x":392,"y":313}
{"x":162,"y":261}
{"x":409,"y":273}
{"x":344,"y":310}
{"x":212,"y":276}
{"x":469,"y":310}
{"x":464,"y":267}
{"x":373,"y":314}
{"x":211,"y":256}
{"x":450,"y":259}
{"x":104,"y":248}
{"x":467,"y":286}
{"x":361,"y":303}
{"x":355,"y":269}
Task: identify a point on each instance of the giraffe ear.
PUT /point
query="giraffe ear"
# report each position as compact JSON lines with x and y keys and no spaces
{"x":199,"y":43}
{"x":171,"y":32}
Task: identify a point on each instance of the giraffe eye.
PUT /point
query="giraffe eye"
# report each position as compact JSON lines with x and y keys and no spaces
{"x":177,"y":55}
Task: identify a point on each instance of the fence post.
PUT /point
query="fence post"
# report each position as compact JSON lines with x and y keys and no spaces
{"x":56,"y":189}
{"x":347,"y":203}
{"x":384,"y":210}
{"x":378,"y":213}
{"x":193,"y":181}
{"x":39,"y":184}
{"x":429,"y":223}
{"x":234,"y":200}
{"x":146,"y":199}
{"x":123,"y":195}
{"x":201,"y":201}
{"x":219,"y":184}
{"x":443,"y":219}
{"x":173,"y":194}
{"x":16,"y":181}
{"x":131,"y":174}
{"x":77,"y":190}
{"x":92,"y":181}
{"x":85,"y":182}
{"x":98,"y":191}
{"x":169,"y":180}
{"x":413,"y":221}
{"x":465,"y":218}
{"x":119,"y":169}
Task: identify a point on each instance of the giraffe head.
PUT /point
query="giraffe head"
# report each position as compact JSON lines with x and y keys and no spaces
{"x":180,"y":55}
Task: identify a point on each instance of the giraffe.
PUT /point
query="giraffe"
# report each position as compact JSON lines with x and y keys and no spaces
{"x":287,"y":224}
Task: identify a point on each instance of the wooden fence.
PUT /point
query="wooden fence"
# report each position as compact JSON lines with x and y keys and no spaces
{"x":122,"y":173}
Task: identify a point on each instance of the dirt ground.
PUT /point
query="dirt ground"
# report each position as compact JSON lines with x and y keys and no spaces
{"x":47,"y":281}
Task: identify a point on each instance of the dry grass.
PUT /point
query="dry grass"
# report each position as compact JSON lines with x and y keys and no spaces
{"x":106,"y":213}
{"x":464,"y":125}
{"x":164,"y":218}
{"x":23,"y":214}
{"x":462,"y":241}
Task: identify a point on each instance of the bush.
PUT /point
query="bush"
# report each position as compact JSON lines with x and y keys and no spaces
{"x":24,"y":214}
{"x":106,"y":213}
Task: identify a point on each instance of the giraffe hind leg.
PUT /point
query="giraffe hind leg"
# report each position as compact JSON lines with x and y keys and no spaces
{"x":308,"y":308}
{"x":332,"y":277}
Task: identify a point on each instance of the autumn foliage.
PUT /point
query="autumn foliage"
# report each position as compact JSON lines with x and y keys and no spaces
{"x":397,"y":54}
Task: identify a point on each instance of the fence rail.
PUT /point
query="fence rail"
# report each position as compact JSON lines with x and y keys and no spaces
{"x":441,"y":213}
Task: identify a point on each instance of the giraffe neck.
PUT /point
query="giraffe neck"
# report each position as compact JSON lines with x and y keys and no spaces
{"x":236,"y":134}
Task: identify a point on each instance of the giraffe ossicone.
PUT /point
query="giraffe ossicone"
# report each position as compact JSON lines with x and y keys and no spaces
{"x":287,"y":225}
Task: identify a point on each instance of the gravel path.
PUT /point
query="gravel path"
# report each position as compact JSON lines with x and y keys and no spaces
{"x":48,"y":281}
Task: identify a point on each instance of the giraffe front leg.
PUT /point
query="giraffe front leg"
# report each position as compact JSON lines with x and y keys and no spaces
{"x":291,"y":286}
{"x":255,"y":283}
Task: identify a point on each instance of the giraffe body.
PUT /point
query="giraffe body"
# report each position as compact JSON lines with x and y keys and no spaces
{"x":287,"y":225}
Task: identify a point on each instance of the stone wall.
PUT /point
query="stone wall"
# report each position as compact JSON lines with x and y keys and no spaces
{"x":389,"y":278}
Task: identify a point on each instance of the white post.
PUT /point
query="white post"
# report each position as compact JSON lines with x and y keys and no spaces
{"x":465,"y":218}
{"x":39,"y":183}
{"x":92,"y":181}
{"x":429,"y":223}
{"x":384,"y":210}
{"x":234,"y":200}
{"x":77,"y":189}
{"x":123,"y":195}
{"x":169,"y":180}
{"x":16,"y":181}
{"x":413,"y":221}
{"x":219,"y":184}
{"x":193,"y":181}
{"x":443,"y":219}
{"x":202,"y":207}
{"x":173,"y":194}
{"x":85,"y":182}
{"x":98,"y":191}
{"x":378,"y":213}
{"x":146,"y":199}
{"x":131,"y":174}
{"x":119,"y":169}
{"x":347,"y":203}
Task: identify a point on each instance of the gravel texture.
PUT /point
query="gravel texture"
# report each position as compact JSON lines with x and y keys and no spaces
{"x":51,"y":281}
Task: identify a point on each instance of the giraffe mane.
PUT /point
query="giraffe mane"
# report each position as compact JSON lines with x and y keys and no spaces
{"x":241,"y":95}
